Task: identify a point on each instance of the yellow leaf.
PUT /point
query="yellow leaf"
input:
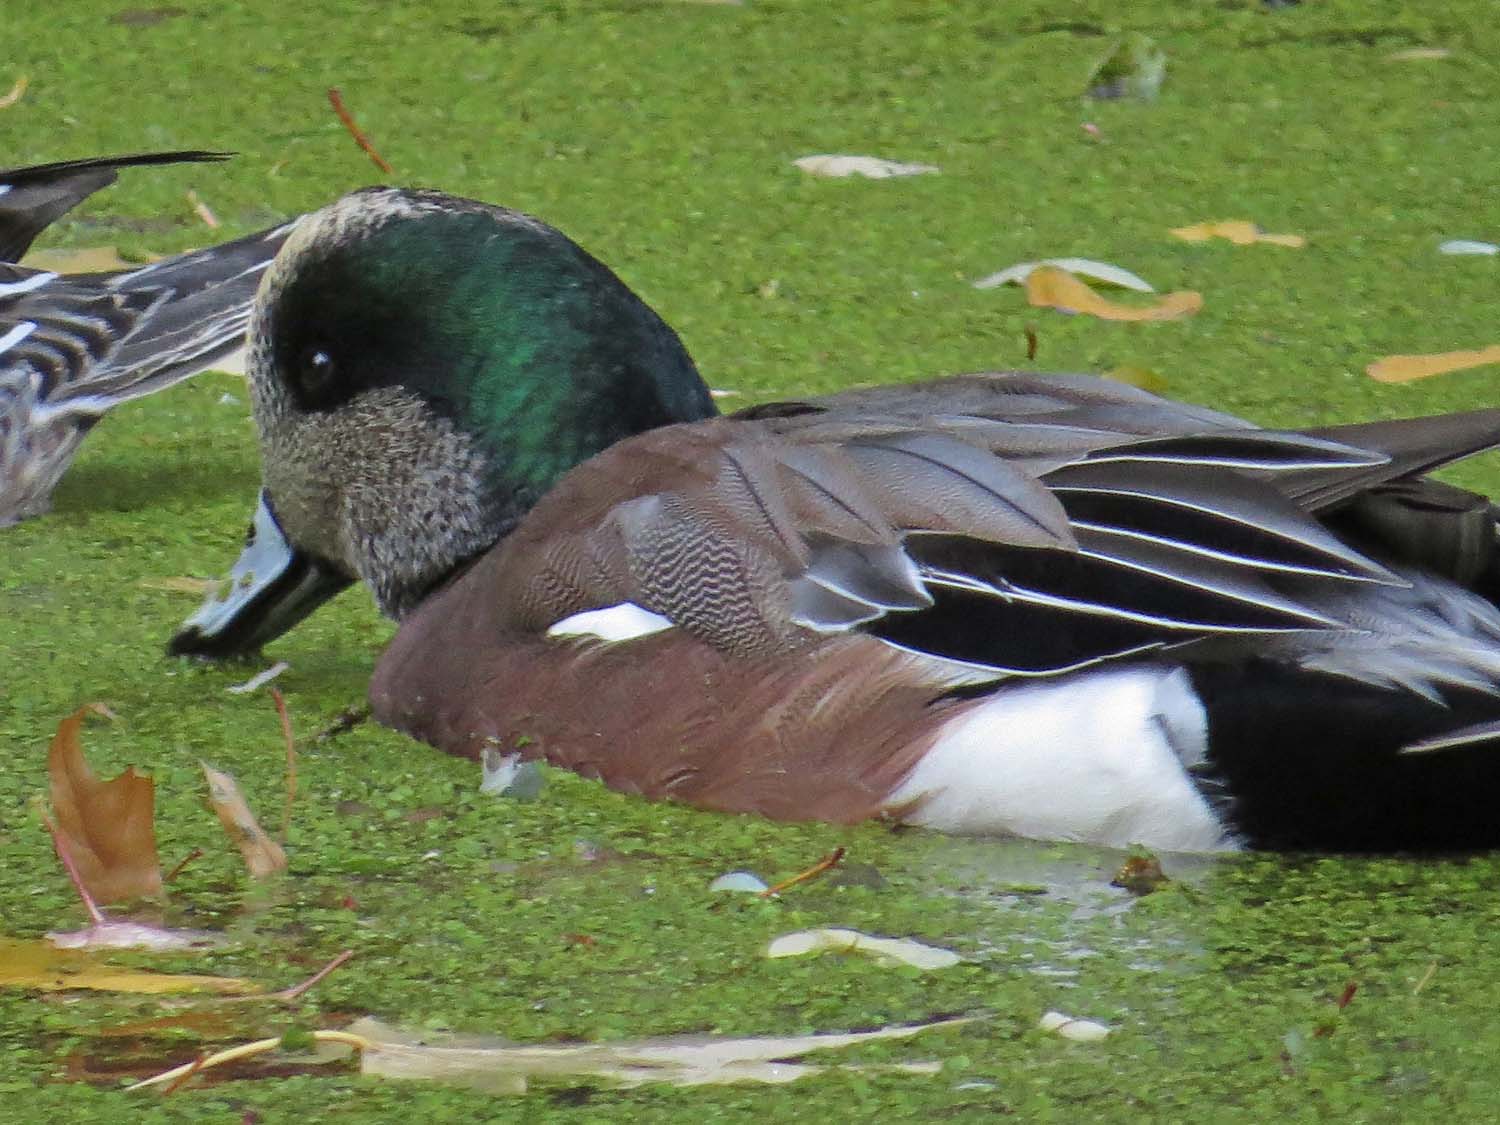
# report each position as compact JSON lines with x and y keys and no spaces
{"x":263,"y":855}
{"x":1050,"y":287}
{"x":16,"y":91}
{"x":1238,"y":231}
{"x":1405,"y":368}
{"x":93,"y":259}
{"x":107,"y":825}
{"x":1133,"y":376}
{"x":38,"y":965}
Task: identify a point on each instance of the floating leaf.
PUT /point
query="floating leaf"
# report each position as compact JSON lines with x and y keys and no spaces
{"x":263,"y":855}
{"x":1049,"y":287}
{"x":1102,"y":272}
{"x":1406,"y":368}
{"x":1241,"y":232}
{"x":1081,"y":1031}
{"x":38,"y":965}
{"x":1133,"y":67}
{"x":1467,"y":246}
{"x":742,"y":882}
{"x":107,"y":826}
{"x":107,"y":934}
{"x":888,"y":951}
{"x":870,"y":167}
{"x":677,"y":1060}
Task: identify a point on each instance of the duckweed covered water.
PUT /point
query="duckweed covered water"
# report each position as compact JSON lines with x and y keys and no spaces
{"x":661,"y":136}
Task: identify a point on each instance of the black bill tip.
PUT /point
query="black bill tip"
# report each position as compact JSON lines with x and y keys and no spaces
{"x":271,"y":588}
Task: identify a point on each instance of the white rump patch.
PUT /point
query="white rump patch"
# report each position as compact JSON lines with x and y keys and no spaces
{"x":35,"y":281}
{"x":623,"y":622}
{"x":1099,"y":757}
{"x":16,"y":335}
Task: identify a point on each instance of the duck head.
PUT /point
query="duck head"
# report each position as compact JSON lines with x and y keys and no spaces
{"x":422,"y":369}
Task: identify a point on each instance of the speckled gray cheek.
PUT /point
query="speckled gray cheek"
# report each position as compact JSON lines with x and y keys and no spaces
{"x":382,"y":486}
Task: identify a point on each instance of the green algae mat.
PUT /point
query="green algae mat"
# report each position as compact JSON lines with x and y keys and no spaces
{"x":663,"y":137}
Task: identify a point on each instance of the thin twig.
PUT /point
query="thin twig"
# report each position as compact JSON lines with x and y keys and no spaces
{"x":828,"y":862}
{"x":1427,"y":976}
{"x":202,"y":210}
{"x":296,"y":991}
{"x":186,"y":1076}
{"x":291,"y":761}
{"x":183,"y":862}
{"x":344,"y":722}
{"x":336,"y":99}
{"x":64,"y":853}
{"x":248,"y":1051}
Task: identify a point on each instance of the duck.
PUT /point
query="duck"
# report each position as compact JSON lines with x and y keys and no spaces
{"x":1002,"y":603}
{"x":34,"y":197}
{"x":74,"y":346}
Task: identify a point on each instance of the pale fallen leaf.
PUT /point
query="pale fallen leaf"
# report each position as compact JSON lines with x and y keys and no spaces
{"x":1241,"y":232}
{"x":39,"y":965}
{"x":263,"y":855}
{"x":677,"y":1060}
{"x":506,"y":775}
{"x":107,"y":826}
{"x":497,"y":770}
{"x":871,"y":167}
{"x":1405,"y":368}
{"x":1049,"y":287}
{"x":16,"y":92}
{"x":1467,"y":246}
{"x":260,"y":679}
{"x":181,"y":585}
{"x":134,"y":935}
{"x":887,"y":951}
{"x":1419,"y":54}
{"x":1102,"y":272}
{"x":741,"y":882}
{"x":1080,"y":1031}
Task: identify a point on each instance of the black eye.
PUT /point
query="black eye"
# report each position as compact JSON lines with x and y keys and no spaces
{"x":315,"y":371}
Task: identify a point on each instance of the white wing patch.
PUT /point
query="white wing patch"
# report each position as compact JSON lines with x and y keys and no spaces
{"x":1099,"y":757}
{"x":16,"y":335}
{"x":623,"y":622}
{"x":35,"y":281}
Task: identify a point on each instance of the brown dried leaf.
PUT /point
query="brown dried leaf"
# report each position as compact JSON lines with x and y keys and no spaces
{"x":1050,"y":287}
{"x":1405,"y":368}
{"x":108,"y":826}
{"x":263,"y":855}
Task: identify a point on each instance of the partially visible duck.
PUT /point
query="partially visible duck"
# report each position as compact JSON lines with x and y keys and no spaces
{"x":1000,"y":603}
{"x":34,"y":197}
{"x":74,"y":346}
